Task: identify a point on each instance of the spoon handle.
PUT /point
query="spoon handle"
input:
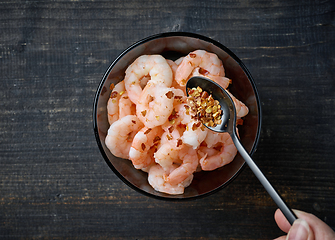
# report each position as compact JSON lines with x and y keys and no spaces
{"x":288,"y":213}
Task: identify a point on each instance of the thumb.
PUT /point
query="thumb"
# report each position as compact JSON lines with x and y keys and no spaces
{"x":300,"y":230}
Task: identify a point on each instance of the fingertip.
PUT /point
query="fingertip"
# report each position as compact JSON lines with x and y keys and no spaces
{"x":281,"y":221}
{"x":300,"y":230}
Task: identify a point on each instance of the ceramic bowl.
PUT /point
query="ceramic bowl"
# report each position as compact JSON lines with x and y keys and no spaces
{"x":172,"y":46}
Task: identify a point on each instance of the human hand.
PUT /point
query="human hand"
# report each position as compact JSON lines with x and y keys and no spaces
{"x":306,"y":227}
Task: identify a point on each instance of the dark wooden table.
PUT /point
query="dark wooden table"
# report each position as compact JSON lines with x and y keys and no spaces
{"x":55,"y":183}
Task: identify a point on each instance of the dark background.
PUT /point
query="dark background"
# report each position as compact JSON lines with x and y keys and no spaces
{"x":55,"y":183}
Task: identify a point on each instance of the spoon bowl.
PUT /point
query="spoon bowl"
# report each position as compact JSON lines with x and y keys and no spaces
{"x":218,"y":93}
{"x":228,"y":124}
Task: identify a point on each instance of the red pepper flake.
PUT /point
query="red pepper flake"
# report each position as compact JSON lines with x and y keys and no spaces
{"x":133,"y":121}
{"x":182,"y":126}
{"x":195,"y":126}
{"x":190,"y":91}
{"x":171,"y":129}
{"x":129,"y":137}
{"x":203,"y":107}
{"x":157,"y":138}
{"x":173,"y":115}
{"x":143,"y":146}
{"x":204,"y":94}
{"x":203,"y":71}
{"x":147,"y":131}
{"x":144,"y":113}
{"x":114,"y":94}
{"x":193,"y":55}
{"x":179,"y":142}
{"x":155,"y":147}
{"x":112,"y":86}
{"x":169,"y":94}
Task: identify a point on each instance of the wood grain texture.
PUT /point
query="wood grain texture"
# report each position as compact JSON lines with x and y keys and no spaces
{"x":54,"y":181}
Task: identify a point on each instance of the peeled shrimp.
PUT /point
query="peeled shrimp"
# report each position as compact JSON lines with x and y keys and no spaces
{"x":212,"y":138}
{"x":157,"y":178}
{"x":168,"y":151}
{"x":179,"y":60}
{"x":154,"y":66}
{"x":221,"y":80}
{"x":113,"y":102}
{"x":223,"y":153}
{"x":209,"y":62}
{"x":189,"y":165}
{"x":172,"y":65}
{"x":175,"y":84}
{"x":241,"y":108}
{"x":120,"y":135}
{"x":126,"y":107}
{"x":195,"y":132}
{"x":155,"y":104}
{"x":140,"y":152}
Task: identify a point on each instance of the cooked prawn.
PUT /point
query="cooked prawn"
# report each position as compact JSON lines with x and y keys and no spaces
{"x":212,"y":138}
{"x":168,"y":151}
{"x":241,"y":109}
{"x":154,"y":66}
{"x":195,"y":132}
{"x":120,"y":135}
{"x":126,"y":107}
{"x":140,"y":152}
{"x":221,"y":154}
{"x":190,"y":162}
{"x":113,"y":102}
{"x":155,"y":104}
{"x":179,"y":60}
{"x":157,"y":178}
{"x":221,"y":80}
{"x":175,"y":84}
{"x":207,"y":61}
{"x":173,"y":66}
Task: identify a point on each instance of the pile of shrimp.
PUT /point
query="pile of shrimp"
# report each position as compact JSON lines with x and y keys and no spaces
{"x":149,"y":124}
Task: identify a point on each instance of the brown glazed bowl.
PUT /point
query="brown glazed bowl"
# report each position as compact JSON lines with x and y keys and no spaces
{"x":172,"y":46}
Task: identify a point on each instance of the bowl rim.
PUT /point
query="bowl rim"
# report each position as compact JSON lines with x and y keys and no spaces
{"x":163,"y":35}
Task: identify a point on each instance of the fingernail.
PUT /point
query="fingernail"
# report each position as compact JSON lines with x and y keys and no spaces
{"x":299,"y":230}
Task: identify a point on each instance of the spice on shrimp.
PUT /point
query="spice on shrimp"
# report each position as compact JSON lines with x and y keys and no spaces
{"x":173,"y":116}
{"x":157,"y":138}
{"x":114,"y":94}
{"x":203,"y":107}
{"x":169,"y":94}
{"x":147,"y":131}
{"x":171,"y":129}
{"x":179,"y":142}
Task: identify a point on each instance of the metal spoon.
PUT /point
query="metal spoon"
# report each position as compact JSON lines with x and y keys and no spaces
{"x":229,"y":125}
